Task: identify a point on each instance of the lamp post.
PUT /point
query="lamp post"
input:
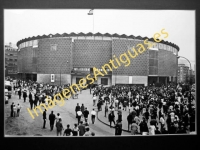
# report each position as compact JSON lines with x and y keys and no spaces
{"x":91,"y":13}
{"x":60,"y":70}
{"x":190,"y":84}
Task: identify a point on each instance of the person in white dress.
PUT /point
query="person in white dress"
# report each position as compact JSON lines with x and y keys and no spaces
{"x":152,"y":129}
{"x":94,"y":100}
{"x":18,"y":109}
{"x":14,"y":111}
{"x":93,"y":115}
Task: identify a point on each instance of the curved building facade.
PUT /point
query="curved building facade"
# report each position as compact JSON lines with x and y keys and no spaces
{"x":66,"y":58}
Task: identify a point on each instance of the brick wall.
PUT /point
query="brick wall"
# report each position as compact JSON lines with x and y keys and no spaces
{"x":49,"y":61}
{"x":27,"y":60}
{"x":138,"y":65}
{"x":167,"y":63}
{"x":91,"y":53}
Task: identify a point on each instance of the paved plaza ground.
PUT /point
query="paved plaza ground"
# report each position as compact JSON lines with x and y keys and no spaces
{"x":26,"y":126}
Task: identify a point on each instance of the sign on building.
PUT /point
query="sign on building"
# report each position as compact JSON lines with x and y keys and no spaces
{"x":130,"y":80}
{"x":52,"y":77}
{"x":11,"y":71}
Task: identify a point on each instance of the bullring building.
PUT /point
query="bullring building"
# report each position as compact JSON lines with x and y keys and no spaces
{"x":66,"y":58}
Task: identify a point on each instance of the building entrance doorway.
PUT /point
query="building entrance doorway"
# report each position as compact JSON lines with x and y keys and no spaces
{"x":104,"y":81}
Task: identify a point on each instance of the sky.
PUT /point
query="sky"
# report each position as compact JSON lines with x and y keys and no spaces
{"x":179,"y":24}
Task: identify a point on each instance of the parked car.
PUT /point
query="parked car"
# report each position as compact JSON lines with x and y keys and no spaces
{"x":9,"y":89}
{"x":6,"y":96}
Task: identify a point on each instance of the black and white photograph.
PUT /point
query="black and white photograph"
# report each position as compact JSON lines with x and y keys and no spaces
{"x":99,"y":72}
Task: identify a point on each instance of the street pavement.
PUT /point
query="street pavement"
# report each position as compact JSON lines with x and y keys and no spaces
{"x":26,"y":126}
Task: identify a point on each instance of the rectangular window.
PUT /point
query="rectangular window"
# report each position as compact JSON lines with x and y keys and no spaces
{"x":160,"y":46}
{"x":153,"y":70}
{"x":35,"y":43}
{"x":168,"y":48}
{"x":176,"y":51}
{"x":153,"y":62}
{"x":155,"y":45}
{"x":53,"y":47}
{"x":30,"y":43}
{"x":164,"y":47}
{"x":26,"y":44}
{"x":153,"y":54}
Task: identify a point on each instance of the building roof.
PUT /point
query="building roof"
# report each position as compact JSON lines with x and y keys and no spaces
{"x":96,"y":34}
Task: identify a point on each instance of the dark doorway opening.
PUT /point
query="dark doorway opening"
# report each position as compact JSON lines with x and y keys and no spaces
{"x":104,"y":81}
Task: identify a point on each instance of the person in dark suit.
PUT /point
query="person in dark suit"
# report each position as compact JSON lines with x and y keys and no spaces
{"x":44,"y":118}
{"x":52,"y":118}
{"x":31,"y":100}
{"x":24,"y":95}
{"x":11,"y":114}
{"x":20,"y":93}
{"x":129,"y":119}
{"x":78,"y":108}
{"x":36,"y":100}
{"x":111,"y":118}
{"x":118,"y":128}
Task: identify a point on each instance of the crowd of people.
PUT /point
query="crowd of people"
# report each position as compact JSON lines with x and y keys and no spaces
{"x":151,"y":110}
{"x":37,"y":93}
